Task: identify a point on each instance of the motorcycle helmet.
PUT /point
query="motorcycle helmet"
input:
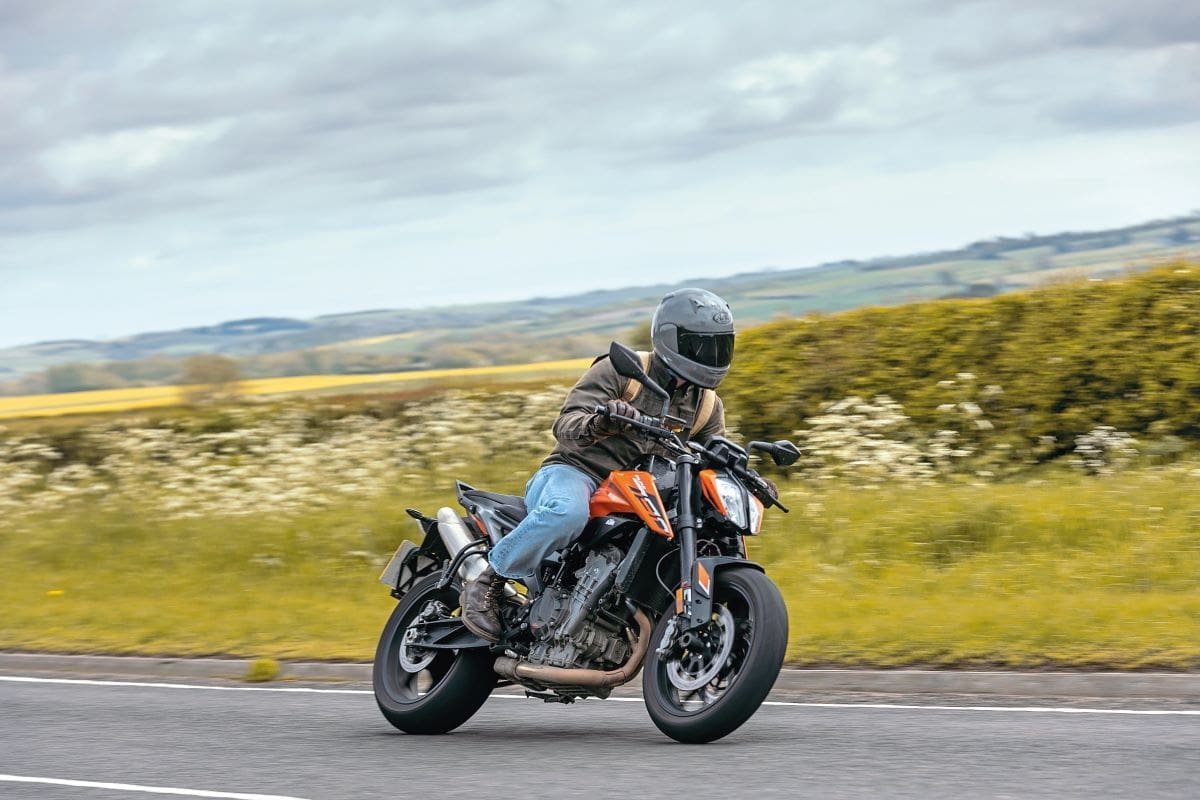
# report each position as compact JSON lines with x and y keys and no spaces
{"x":692,"y":332}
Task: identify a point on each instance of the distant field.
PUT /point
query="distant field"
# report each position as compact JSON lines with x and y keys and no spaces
{"x":369,"y":341}
{"x":98,"y":402}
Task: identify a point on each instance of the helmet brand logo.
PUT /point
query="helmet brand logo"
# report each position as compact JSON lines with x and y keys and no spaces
{"x":722,"y":318}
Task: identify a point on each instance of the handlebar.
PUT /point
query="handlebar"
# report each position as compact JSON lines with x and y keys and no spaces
{"x":641,"y":423}
{"x":755,"y":481}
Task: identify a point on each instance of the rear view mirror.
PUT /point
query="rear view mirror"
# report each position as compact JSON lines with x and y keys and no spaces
{"x":628,"y":365}
{"x":785,"y":453}
{"x":625,"y":362}
{"x":782,"y":452}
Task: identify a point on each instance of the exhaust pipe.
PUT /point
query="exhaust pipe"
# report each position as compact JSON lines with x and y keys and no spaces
{"x":522,"y":671}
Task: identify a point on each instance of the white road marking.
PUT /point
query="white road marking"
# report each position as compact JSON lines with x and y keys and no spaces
{"x":131,"y":787}
{"x":1024,"y":709}
{"x":879,"y":706}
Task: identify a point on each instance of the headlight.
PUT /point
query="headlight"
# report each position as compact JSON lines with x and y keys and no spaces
{"x":731,"y":499}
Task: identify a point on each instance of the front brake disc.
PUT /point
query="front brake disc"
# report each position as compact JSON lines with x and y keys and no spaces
{"x":701,"y":671}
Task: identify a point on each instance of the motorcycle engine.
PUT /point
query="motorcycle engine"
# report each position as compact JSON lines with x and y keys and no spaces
{"x":564,"y":623}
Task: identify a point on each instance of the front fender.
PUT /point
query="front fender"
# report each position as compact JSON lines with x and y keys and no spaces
{"x":697,"y":607}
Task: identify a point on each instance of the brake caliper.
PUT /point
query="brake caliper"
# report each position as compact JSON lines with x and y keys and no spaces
{"x":668,"y":647}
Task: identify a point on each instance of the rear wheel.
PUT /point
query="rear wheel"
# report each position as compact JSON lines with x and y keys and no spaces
{"x":714,"y":680}
{"x":428,"y":691}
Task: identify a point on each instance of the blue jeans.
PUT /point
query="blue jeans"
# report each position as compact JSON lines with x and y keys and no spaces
{"x":557,"y":499}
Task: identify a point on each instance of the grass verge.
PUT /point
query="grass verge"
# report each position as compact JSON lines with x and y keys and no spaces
{"x":1061,"y":570}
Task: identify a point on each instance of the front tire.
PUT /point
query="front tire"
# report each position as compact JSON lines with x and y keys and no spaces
{"x":709,"y":691}
{"x":428,"y":692}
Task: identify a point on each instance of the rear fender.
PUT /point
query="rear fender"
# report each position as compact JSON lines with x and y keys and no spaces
{"x":698,"y":598}
{"x":412,"y":562}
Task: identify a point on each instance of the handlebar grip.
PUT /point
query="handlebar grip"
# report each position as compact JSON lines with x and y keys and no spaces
{"x":643,"y":419}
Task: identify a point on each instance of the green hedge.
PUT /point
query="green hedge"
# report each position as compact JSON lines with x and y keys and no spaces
{"x":1068,"y":357}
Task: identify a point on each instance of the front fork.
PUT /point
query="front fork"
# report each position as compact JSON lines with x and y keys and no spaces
{"x":694,"y":597}
{"x":685,"y":527}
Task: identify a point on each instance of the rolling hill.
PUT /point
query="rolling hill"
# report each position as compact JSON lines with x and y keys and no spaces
{"x":546,"y":328}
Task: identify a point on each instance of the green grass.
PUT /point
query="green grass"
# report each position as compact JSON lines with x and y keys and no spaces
{"x":1071,"y":571}
{"x":1061,"y":570}
{"x":262,"y":670}
{"x":128,"y":582}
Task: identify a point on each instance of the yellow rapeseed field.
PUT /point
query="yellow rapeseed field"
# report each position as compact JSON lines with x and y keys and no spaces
{"x":96,"y":402}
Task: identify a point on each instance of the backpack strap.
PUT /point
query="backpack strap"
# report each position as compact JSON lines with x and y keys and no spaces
{"x":633,"y":388}
{"x":704,"y":411}
{"x":708,"y":402}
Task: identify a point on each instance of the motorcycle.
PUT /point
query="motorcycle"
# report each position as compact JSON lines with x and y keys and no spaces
{"x":658,"y":582}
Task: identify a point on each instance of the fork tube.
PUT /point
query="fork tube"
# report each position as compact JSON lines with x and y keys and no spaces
{"x":686,"y":528}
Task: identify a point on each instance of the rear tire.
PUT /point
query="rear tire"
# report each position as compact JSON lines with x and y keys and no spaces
{"x":758,"y":628}
{"x":447,"y":691}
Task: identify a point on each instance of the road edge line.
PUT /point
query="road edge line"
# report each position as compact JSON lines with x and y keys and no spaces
{"x":1108,"y":685}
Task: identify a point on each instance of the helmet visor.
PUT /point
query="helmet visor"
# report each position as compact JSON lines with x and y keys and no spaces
{"x":709,"y":349}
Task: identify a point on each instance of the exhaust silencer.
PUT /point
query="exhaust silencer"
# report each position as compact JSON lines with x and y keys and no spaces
{"x":456,"y":536}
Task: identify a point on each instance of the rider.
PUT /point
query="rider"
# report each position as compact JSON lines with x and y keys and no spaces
{"x":692,"y":333}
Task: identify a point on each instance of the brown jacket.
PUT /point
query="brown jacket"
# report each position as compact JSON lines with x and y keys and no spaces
{"x":598,"y":456}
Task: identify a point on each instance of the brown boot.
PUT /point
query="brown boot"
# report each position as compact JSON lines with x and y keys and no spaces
{"x":480,"y":601}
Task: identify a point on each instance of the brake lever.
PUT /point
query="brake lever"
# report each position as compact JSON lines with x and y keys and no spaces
{"x":765,"y":495}
{"x":780,"y":506}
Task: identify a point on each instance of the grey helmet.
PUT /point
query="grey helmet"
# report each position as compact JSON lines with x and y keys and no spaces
{"x":692,"y":331}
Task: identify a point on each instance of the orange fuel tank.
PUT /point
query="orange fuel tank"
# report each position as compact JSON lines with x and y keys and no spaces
{"x":632,"y":492}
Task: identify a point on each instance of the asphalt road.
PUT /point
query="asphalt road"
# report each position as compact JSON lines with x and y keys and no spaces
{"x":323,"y":746}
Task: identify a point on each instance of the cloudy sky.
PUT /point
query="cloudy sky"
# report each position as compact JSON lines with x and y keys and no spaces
{"x":175,"y":163}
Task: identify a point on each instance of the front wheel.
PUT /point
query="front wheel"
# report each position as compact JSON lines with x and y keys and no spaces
{"x":708,"y":685}
{"x":428,"y":691}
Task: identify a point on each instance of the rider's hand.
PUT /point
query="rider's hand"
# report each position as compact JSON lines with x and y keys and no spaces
{"x":605,"y":425}
{"x":771,"y":485}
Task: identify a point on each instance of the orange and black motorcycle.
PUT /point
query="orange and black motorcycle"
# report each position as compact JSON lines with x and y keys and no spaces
{"x":658,"y":581}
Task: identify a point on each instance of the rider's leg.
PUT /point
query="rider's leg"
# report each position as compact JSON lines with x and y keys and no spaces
{"x":556,"y":498}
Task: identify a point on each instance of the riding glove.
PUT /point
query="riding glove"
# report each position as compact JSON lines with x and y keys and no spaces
{"x":605,"y":425}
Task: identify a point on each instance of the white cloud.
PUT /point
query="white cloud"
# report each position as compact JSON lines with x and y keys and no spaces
{"x":520,"y":147}
{"x":124,"y":156}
